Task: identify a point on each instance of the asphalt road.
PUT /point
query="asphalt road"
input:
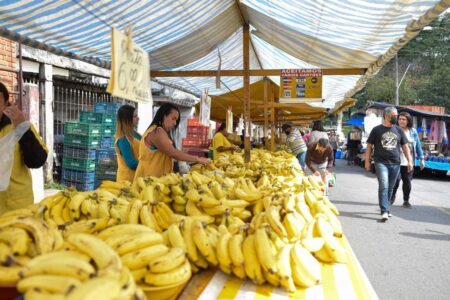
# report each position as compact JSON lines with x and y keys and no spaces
{"x":408,"y":257}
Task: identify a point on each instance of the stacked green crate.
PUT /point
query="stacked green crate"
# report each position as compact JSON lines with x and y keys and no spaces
{"x":81,"y":139}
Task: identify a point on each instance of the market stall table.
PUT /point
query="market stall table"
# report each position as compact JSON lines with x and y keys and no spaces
{"x":441,"y":166}
{"x":339,"y":281}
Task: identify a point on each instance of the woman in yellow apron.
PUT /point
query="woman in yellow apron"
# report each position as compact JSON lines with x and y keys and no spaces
{"x":127,"y":143}
{"x":29,"y":152}
{"x":157,"y":150}
{"x":221,"y":145}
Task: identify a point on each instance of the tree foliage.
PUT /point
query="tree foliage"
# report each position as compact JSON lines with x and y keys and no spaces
{"x":427,"y":81}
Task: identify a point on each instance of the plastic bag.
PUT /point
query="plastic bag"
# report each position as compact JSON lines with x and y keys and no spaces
{"x":7,"y":144}
{"x":330,"y":180}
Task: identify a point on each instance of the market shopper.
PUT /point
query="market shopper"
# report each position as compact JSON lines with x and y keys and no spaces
{"x":157,"y":150}
{"x":386,"y":140}
{"x":295,"y":142}
{"x":127,"y":142}
{"x":415,"y":148}
{"x":353,"y":144}
{"x":221,"y":145}
{"x":333,"y":138}
{"x":317,"y":133}
{"x":29,"y":152}
{"x":319,"y":158}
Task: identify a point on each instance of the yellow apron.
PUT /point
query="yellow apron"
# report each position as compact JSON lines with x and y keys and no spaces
{"x":152,"y":162}
{"x":219,"y":140}
{"x":123,"y":171}
{"x":20,"y":190}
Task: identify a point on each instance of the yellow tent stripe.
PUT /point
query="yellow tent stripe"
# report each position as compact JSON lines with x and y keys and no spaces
{"x":263,"y":292}
{"x":328,"y":282}
{"x":231,"y":288}
{"x":359,"y":285}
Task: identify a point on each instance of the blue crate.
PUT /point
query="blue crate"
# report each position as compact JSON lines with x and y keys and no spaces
{"x":80,"y":186}
{"x":79,"y":152}
{"x":106,"y":157}
{"x":108,"y":108}
{"x":77,"y":176}
{"x":107,"y":142}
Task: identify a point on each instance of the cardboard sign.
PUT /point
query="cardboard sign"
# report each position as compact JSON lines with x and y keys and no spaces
{"x":130,"y":70}
{"x":205,"y":108}
{"x":301,"y":84}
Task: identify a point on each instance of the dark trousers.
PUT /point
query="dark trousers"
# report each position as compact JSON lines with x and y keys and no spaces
{"x":406,"y":178}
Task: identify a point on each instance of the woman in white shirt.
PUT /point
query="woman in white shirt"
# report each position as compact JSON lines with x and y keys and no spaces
{"x":317,"y":133}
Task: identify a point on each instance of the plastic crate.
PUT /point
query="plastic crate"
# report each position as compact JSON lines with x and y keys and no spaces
{"x":79,"y":152}
{"x":80,"y":186}
{"x":198,"y":130}
{"x":77,"y":176}
{"x":79,"y":128}
{"x":78,"y":164}
{"x":100,"y":118}
{"x":107,"y":142}
{"x":108,"y":130}
{"x":194,"y":121}
{"x":81,"y":141}
{"x":108,"y":108}
{"x":106,"y":169}
{"x":192,"y":142}
{"x":106,"y":157}
{"x":111,"y":177}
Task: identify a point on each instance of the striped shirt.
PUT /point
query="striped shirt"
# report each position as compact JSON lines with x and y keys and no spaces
{"x":295,"y":142}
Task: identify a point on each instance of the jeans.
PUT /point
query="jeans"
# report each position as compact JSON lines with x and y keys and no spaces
{"x":387,"y":176}
{"x":301,"y":159}
{"x":406,"y":179}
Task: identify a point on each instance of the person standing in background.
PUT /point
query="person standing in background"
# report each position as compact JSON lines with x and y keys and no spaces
{"x":415,"y":148}
{"x":332,"y":137}
{"x":221,"y":145}
{"x":386,"y":140}
{"x":127,"y":142}
{"x":294,"y":141}
{"x":353,"y":144}
{"x":29,"y":152}
{"x":317,"y":133}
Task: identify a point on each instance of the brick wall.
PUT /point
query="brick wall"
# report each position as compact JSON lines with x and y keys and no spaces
{"x":8,"y":61}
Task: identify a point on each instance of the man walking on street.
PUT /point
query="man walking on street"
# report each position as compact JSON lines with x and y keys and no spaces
{"x":295,"y":142}
{"x":386,"y":140}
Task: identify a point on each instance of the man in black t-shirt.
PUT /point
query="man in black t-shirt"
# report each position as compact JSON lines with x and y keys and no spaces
{"x":386,"y":140}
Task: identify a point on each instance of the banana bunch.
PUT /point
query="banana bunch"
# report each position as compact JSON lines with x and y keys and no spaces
{"x":146,"y":253}
{"x":91,"y":270}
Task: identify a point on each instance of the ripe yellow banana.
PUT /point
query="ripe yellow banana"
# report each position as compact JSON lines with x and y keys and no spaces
{"x":266,"y":255}
{"x":273,"y":218}
{"x":178,"y":275}
{"x":206,"y":201}
{"x":123,"y":229}
{"x":133,"y":217}
{"x":175,"y":237}
{"x":192,"y":195}
{"x":167,"y":262}
{"x":142,"y":257}
{"x":331,"y":245}
{"x":235,"y":250}
{"x":102,"y":254}
{"x":304,"y":210}
{"x":139,"y":241}
{"x":16,"y":238}
{"x":10,"y":275}
{"x":37,"y":294}
{"x":147,"y":218}
{"x":56,"y":211}
{"x":252,"y":266}
{"x":202,"y":242}
{"x":186,"y":226}
{"x":284,"y":268}
{"x":177,"y":190}
{"x":217,"y":190}
{"x":139,"y":274}
{"x":50,"y":283}
{"x":293,"y":223}
{"x":306,"y":270}
{"x":223,"y":254}
{"x":180,"y":200}
{"x":97,"y":288}
{"x":75,"y":204}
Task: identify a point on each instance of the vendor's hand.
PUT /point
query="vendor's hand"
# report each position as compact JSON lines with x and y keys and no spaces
{"x":15,"y":115}
{"x":410,"y":166}
{"x":204,"y":161}
{"x":367,"y":166}
{"x":317,"y":173}
{"x":422,"y":164}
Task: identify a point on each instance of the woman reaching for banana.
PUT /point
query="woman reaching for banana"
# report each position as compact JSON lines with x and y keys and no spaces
{"x":157,"y":150}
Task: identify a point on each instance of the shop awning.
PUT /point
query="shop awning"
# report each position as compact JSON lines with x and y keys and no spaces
{"x":190,"y":34}
{"x":411,"y":111}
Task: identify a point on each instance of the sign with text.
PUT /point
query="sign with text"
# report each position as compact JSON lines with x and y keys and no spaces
{"x":301,"y":84}
{"x":130,"y":69}
{"x":205,"y":108}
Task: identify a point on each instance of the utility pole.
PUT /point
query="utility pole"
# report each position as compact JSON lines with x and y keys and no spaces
{"x":397,"y":101}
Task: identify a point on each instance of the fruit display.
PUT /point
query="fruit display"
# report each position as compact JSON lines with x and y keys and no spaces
{"x":264,"y":221}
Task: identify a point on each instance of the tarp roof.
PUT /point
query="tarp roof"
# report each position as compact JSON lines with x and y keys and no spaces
{"x":411,"y":111}
{"x":188,"y":34}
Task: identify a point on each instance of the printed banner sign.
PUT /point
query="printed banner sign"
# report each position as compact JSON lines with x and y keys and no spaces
{"x":205,"y":108}
{"x":130,"y":69}
{"x":301,"y":84}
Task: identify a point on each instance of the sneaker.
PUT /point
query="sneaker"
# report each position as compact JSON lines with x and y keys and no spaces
{"x":389,"y":215}
{"x":406,"y":204}
{"x":384,"y":217}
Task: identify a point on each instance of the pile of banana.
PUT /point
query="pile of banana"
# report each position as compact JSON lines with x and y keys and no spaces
{"x":22,"y":238}
{"x":148,"y":255}
{"x":88,"y":269}
{"x":263,"y":220}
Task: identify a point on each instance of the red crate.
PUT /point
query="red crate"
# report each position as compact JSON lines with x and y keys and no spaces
{"x":199,"y":130}
{"x":192,"y":143}
{"x":194,"y":121}
{"x":197,"y":152}
{"x":193,"y":136}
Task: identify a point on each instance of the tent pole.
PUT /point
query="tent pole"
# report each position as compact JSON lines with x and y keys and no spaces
{"x":246,"y":64}
{"x":266,"y":117}
{"x":272,"y":119}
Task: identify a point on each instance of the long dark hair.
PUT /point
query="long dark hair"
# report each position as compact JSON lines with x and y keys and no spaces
{"x":124,"y":126}
{"x":5,"y":92}
{"x":165,"y":110}
{"x":317,"y":125}
{"x":408,"y":118}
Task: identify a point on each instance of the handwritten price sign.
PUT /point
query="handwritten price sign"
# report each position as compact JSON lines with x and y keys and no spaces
{"x":130,"y":69}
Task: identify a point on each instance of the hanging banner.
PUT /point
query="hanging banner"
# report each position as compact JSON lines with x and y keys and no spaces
{"x":130,"y":69}
{"x":300,"y":85}
{"x":205,"y":108}
{"x":229,"y":120}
